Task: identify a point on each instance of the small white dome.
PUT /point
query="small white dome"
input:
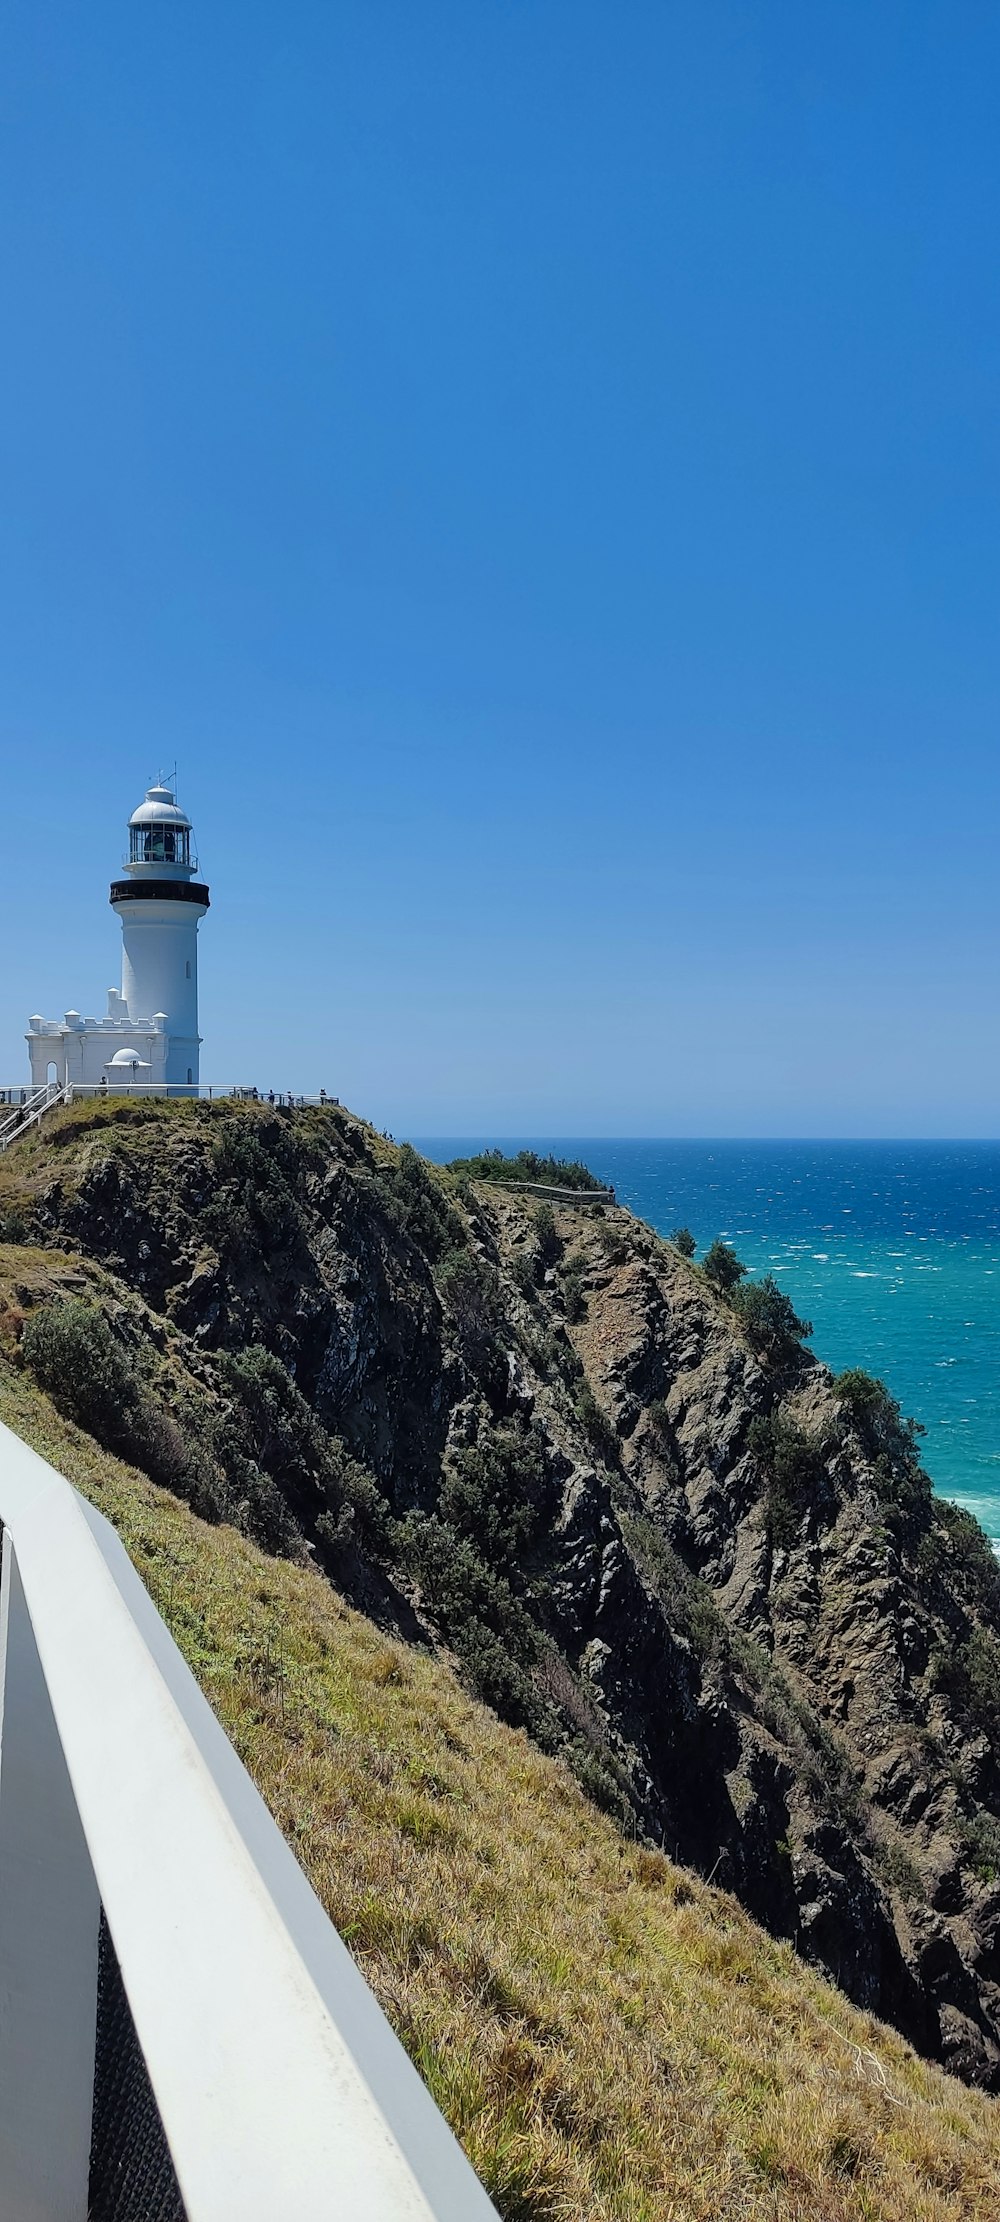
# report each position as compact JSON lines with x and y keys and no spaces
{"x":129,"y":1057}
{"x":159,"y":809}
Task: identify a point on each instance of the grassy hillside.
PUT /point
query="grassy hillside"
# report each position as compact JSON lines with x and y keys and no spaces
{"x":609,"y":2037}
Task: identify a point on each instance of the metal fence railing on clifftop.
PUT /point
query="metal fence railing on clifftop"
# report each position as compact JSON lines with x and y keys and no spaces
{"x":183,"y":2036}
{"x":22,"y":1108}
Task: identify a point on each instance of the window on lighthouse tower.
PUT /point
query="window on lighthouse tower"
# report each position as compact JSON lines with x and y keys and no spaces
{"x":160,"y":845}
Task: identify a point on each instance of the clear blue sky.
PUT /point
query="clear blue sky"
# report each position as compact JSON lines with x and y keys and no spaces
{"x":534,"y":463}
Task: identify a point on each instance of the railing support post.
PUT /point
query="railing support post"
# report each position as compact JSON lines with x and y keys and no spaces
{"x":49,"y":1916}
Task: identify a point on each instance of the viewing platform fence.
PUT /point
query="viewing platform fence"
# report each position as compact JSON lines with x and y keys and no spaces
{"x":183,"y":2035}
{"x":83,"y":1092}
{"x":553,"y":1195}
{"x":17,"y":1098}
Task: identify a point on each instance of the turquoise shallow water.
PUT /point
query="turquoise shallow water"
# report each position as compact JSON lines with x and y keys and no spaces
{"x":892,"y":1249}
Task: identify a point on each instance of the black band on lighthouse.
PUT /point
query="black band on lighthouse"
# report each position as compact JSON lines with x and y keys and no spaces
{"x":159,"y":891}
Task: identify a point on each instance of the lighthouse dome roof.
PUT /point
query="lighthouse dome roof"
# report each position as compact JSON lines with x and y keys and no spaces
{"x":159,"y":809}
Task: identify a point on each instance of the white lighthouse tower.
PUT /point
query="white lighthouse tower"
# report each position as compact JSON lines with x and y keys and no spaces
{"x":150,"y":1034}
{"x":160,"y":905}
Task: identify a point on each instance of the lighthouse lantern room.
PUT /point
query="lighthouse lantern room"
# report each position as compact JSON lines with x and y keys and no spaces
{"x":149,"y":1036}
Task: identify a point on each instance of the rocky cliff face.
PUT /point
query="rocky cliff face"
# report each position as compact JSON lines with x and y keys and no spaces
{"x":714,"y":1578}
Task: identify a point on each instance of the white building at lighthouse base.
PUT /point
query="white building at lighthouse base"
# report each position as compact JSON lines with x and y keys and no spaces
{"x":90,"y":1052}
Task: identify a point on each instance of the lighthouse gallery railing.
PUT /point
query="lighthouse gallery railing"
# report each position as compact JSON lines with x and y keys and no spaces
{"x":137,"y":1859}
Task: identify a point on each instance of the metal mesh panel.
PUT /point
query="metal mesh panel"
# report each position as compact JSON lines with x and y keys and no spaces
{"x":131,"y":2173}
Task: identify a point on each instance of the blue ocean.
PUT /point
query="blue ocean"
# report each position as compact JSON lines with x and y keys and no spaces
{"x":892,"y":1249}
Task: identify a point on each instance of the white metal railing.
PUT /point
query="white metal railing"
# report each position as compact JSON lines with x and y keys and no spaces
{"x":35,"y":1103}
{"x":13,"y":1120}
{"x":17,"y":1101}
{"x":85,"y":1091}
{"x":283,"y":2093}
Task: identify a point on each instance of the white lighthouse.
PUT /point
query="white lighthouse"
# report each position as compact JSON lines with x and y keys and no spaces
{"x":150,"y":1034}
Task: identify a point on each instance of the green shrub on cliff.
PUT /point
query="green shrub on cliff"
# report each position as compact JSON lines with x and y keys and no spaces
{"x":91,"y":1376}
{"x":259,"y":1459}
{"x":980,"y":1844}
{"x":961,"y":1552}
{"x":522,"y":1266}
{"x":769,"y":1319}
{"x":497,"y":1493}
{"x":553,"y":1172}
{"x":686,"y":1599}
{"x":574,"y":1297}
{"x":272,"y":1450}
{"x":876,"y":1414}
{"x":286,"y":1475}
{"x":970,"y":1674}
{"x":547,"y":1235}
{"x":255,"y":1206}
{"x":412,"y":1196}
{"x":658,"y":1415}
{"x":616,"y":1241}
{"x":683,"y":1240}
{"x":553,"y":1356}
{"x":796,"y":1478}
{"x":722,"y":1267}
{"x":890,"y":1444}
{"x":470,"y":1295}
{"x":596,"y":1424}
{"x":73,"y":1354}
{"x":417,"y":1202}
{"x":478,"y":1615}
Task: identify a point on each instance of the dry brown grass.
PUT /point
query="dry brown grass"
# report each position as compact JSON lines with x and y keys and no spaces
{"x":609,"y":2037}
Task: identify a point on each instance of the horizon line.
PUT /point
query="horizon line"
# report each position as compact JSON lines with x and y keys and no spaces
{"x":768,"y":1140}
